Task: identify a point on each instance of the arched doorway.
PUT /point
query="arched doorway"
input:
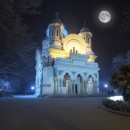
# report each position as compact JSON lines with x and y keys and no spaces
{"x":90,"y":85}
{"x":66,"y":84}
{"x":78,"y":85}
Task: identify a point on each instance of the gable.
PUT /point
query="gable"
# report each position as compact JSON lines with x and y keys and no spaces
{"x":74,"y":42}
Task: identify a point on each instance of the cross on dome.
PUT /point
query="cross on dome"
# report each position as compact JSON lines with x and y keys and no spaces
{"x":56,"y":18}
{"x":84,"y":28}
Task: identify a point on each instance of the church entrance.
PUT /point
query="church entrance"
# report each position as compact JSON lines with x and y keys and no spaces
{"x":66,"y":84}
{"x":74,"y":89}
{"x":78,"y":85}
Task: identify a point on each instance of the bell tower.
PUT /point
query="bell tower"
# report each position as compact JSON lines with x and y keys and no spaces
{"x":54,"y":32}
{"x":86,"y":35}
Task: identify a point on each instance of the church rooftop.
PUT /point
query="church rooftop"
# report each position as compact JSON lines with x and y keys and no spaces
{"x":85,"y":28}
{"x":56,"y":18}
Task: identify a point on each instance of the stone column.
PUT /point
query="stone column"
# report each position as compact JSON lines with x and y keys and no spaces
{"x":74,"y":86}
{"x":67,"y":87}
{"x":58,"y":86}
{"x":70,"y":87}
{"x":98,"y":83}
{"x":85,"y":87}
{"x":81,"y":87}
{"x":78,"y":86}
{"x":61,"y":86}
{"x":96,"y":87}
{"x":55,"y":86}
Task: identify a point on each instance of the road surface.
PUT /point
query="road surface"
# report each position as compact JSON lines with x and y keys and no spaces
{"x":82,"y":113}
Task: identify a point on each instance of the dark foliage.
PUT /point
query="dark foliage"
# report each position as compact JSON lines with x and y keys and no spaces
{"x":117,"y":105}
{"x":121,"y":80}
{"x":119,"y":60}
{"x":17,"y":48}
{"x":125,"y":26}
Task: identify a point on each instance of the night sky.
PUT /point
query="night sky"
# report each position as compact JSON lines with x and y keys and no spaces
{"x":108,"y":39}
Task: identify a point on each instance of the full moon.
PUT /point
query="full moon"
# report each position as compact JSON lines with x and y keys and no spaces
{"x":104,"y":16}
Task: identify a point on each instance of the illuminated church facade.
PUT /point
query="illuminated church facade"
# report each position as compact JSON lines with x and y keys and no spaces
{"x":65,"y":65}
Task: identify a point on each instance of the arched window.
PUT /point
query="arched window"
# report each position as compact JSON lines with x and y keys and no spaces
{"x":52,"y":33}
{"x":57,"y":32}
{"x":66,"y":77}
{"x":88,"y":40}
{"x":73,"y":49}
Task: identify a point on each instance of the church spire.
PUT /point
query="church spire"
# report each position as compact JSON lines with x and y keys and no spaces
{"x":57,"y":14}
{"x":56,"y":18}
{"x":84,"y":25}
{"x":84,"y":28}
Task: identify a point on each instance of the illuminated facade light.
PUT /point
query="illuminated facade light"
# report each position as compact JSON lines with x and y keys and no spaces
{"x":32,"y":88}
{"x":106,"y":86}
{"x":115,"y":98}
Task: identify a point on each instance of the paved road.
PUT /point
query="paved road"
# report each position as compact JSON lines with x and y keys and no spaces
{"x":58,"y":114}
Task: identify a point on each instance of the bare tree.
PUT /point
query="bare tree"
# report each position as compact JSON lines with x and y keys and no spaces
{"x":17,"y":48}
{"x":119,"y":60}
{"x":125,"y":25}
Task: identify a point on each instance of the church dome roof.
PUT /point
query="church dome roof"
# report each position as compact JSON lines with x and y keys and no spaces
{"x":62,"y":26}
{"x":56,"y":19}
{"x":85,"y":28}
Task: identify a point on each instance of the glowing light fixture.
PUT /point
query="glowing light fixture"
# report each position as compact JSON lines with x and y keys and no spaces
{"x":32,"y":88}
{"x":115,"y":98}
{"x":105,"y":85}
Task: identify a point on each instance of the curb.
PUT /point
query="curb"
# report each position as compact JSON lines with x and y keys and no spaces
{"x":116,"y":112}
{"x":74,"y":96}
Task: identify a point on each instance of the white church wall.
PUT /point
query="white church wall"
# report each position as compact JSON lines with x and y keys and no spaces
{"x":48,"y":81}
{"x":38,"y":83}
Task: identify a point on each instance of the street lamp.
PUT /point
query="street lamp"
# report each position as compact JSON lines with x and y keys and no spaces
{"x":32,"y":87}
{"x":105,"y":85}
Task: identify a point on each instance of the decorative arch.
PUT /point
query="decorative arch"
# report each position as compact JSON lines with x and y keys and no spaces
{"x":64,"y":72}
{"x":76,"y":41}
{"x":76,"y":74}
{"x":92,"y":74}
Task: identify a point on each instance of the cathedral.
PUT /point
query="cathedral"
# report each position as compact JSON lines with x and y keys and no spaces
{"x":65,"y":64}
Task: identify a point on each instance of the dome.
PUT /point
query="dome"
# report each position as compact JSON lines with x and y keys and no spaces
{"x":84,"y":28}
{"x":54,"y":22}
{"x":56,"y":19}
